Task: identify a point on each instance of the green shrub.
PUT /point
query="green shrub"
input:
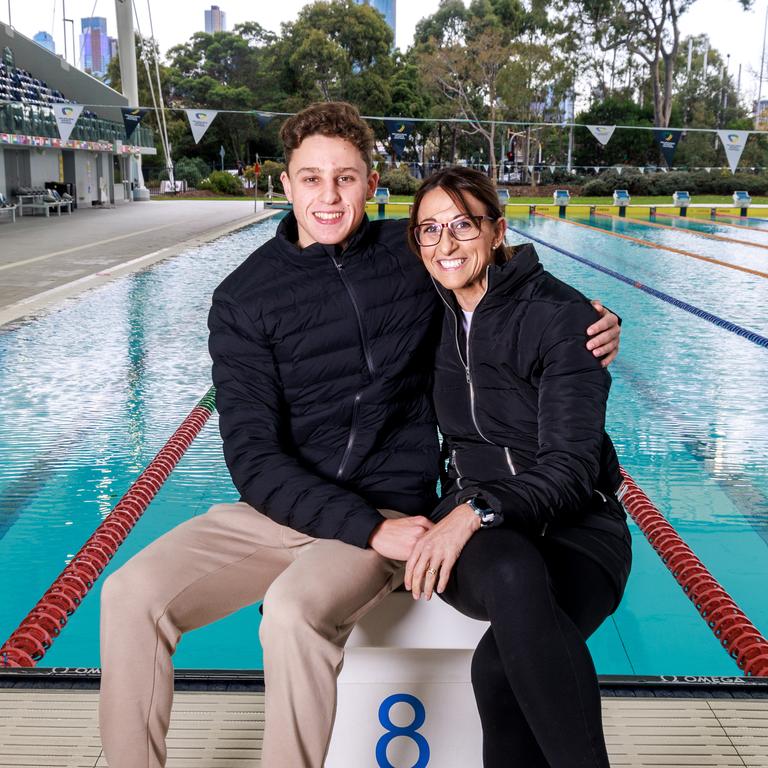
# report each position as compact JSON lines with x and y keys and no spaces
{"x":191,"y":169}
{"x":399,"y":181}
{"x":225,"y":183}
{"x":273,"y":169}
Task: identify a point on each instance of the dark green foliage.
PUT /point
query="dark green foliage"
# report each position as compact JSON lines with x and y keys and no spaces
{"x":225,"y":183}
{"x":191,"y":169}
{"x":399,"y":181}
{"x":273,"y":169}
{"x":665,"y":184}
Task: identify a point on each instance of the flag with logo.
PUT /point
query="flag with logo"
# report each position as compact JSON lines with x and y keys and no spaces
{"x":66,"y":116}
{"x":668,"y":141}
{"x":733,"y":143}
{"x":263,"y":118}
{"x":602,"y":133}
{"x":199,"y":121}
{"x":132,"y":116}
{"x":399,"y":131}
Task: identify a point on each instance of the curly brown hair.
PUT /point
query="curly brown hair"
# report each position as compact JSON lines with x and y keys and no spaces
{"x":328,"y":118}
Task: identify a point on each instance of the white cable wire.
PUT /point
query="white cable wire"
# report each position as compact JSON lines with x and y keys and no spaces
{"x":155,"y":48}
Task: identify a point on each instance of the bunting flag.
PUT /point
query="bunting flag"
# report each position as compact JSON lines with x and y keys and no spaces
{"x":733,"y":142}
{"x":399,"y":131}
{"x":263,"y":118}
{"x":619,"y":170}
{"x":199,"y":121}
{"x":132,"y":116}
{"x":597,"y":169}
{"x":66,"y":117}
{"x":668,"y":141}
{"x":602,"y":133}
{"x":708,"y":170}
{"x":552,"y":168}
{"x":641,"y":169}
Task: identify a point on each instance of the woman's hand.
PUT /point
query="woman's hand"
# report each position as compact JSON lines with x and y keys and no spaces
{"x":604,"y":335}
{"x":436,"y":552}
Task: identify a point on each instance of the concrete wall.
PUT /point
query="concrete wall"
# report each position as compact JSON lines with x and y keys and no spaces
{"x":44,"y":166}
{"x":74,"y":84}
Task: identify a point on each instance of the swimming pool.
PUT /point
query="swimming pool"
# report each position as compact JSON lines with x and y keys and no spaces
{"x":92,"y":388}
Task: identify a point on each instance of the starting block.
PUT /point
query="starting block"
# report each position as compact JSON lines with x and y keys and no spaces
{"x":405,"y":693}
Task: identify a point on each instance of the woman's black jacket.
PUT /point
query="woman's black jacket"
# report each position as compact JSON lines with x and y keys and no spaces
{"x":522,"y":410}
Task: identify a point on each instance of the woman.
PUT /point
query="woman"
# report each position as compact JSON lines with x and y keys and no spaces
{"x":531,"y":536}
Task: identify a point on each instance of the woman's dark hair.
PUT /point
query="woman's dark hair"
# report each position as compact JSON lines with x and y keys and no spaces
{"x":457,"y":182}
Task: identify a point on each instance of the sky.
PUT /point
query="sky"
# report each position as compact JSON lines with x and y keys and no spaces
{"x":731,"y":30}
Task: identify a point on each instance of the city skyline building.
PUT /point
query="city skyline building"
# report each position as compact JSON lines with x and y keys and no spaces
{"x":46,"y":40}
{"x":387,"y":8}
{"x":96,"y":46}
{"x":215,"y":20}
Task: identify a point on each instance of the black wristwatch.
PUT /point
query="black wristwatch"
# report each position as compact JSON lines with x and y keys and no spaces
{"x":488,"y":518}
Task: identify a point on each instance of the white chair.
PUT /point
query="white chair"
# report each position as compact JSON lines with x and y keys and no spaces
{"x":405,"y":695}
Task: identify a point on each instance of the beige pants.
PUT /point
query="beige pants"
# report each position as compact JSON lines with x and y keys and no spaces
{"x":314,"y":590}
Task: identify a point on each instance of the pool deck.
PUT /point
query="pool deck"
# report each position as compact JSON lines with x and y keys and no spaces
{"x":59,"y":728}
{"x":45,"y":259}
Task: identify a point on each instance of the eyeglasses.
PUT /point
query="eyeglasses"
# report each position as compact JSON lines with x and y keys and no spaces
{"x":462,"y":228}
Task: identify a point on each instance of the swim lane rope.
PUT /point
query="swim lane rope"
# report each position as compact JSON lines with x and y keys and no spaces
{"x":736,"y":633}
{"x":655,"y":246}
{"x":36,"y":633}
{"x":755,"y":338}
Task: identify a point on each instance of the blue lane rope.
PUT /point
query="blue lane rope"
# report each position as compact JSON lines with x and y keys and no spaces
{"x":755,"y":338}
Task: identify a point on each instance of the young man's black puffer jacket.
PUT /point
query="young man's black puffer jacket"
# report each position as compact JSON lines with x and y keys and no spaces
{"x":522,"y":408}
{"x":322,"y":361}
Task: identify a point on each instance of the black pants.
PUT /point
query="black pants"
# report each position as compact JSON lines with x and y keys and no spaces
{"x":533,"y":676}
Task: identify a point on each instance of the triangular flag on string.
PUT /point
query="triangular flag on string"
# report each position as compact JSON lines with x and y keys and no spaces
{"x":530,"y":169}
{"x":619,"y":170}
{"x":485,"y":168}
{"x":708,"y":170}
{"x":66,"y":117}
{"x":668,"y":141}
{"x":641,"y":169}
{"x":263,"y":118}
{"x":602,"y":133}
{"x":399,"y":131}
{"x":663,"y":170}
{"x":552,"y":168}
{"x":733,"y":143}
{"x":597,"y":169}
{"x":132,"y":116}
{"x":199,"y":121}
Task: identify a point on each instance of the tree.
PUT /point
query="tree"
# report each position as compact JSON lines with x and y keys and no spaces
{"x":337,"y":50}
{"x":647,"y":29}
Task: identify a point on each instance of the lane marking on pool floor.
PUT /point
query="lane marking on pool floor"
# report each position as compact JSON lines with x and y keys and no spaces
{"x":698,"y":233}
{"x":743,"y":218}
{"x":84,"y":247}
{"x":702,"y":220}
{"x":720,"y":322}
{"x":656,"y":246}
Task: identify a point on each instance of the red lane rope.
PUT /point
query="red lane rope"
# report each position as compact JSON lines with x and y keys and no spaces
{"x":36,"y":633}
{"x":731,"y":627}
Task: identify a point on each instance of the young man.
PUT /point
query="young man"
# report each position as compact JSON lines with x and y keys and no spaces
{"x":322,"y":344}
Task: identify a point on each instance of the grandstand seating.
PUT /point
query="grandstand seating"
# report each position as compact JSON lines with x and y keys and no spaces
{"x":25,"y":107}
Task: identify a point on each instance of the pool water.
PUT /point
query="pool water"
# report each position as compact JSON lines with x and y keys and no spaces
{"x":92,"y":388}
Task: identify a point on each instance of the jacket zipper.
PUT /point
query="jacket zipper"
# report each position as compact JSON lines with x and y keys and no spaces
{"x":511,"y":466}
{"x":459,"y":478}
{"x":467,"y":371}
{"x":369,"y":363}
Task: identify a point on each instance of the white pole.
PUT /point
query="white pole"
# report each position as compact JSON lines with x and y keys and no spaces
{"x":762,"y":65}
{"x":129,"y":78}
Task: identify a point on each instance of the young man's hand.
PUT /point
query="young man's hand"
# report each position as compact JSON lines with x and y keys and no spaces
{"x":396,"y":539}
{"x":604,"y":335}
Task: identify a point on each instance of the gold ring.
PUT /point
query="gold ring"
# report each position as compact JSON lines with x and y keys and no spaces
{"x":431,"y":571}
